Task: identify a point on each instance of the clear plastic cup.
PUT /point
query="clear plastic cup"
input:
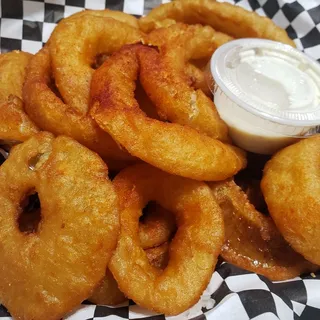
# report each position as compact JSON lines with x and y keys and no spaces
{"x":267,"y":92}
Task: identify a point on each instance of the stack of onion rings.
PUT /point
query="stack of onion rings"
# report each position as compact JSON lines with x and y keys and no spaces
{"x":171,"y":147}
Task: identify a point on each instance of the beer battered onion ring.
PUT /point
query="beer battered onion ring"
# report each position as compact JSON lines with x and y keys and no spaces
{"x":50,"y":113}
{"x":15,"y":124}
{"x":91,"y":35}
{"x":108,"y":292}
{"x":169,"y":146}
{"x":224,"y":17}
{"x":291,"y":188}
{"x":194,"y":249}
{"x":166,"y":82}
{"x":47,"y":273}
{"x":252,"y":241}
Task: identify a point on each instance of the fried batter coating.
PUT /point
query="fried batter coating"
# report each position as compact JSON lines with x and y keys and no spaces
{"x":50,"y":113}
{"x":156,"y":227}
{"x":165,"y":79}
{"x":193,"y":251}
{"x":13,"y":67}
{"x":171,"y":147}
{"x":15,"y":124}
{"x":74,"y":46}
{"x":108,"y":292}
{"x":291,"y":188}
{"x":47,"y":273}
{"x":252,"y":240}
{"x":225,"y":17}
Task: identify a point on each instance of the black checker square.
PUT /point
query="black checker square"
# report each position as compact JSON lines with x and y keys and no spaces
{"x":310,"y":313}
{"x":292,"y":10}
{"x":12,"y":9}
{"x":75,"y":3}
{"x":115,"y":5}
{"x":32,"y":30}
{"x":291,"y":32}
{"x":315,"y":14}
{"x":271,"y":7}
{"x":53,"y":13}
{"x":104,"y":311}
{"x":8,"y":44}
{"x":3,"y":312}
{"x":257,"y":302}
{"x":311,"y":39}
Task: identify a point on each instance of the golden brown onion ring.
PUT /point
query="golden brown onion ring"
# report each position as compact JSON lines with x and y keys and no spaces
{"x":165,"y":80}
{"x":225,"y":17}
{"x":252,"y":240}
{"x":50,"y":113}
{"x":169,"y":146}
{"x":15,"y":124}
{"x":194,"y":249}
{"x":91,"y":35}
{"x":47,"y":273}
{"x":291,"y":188}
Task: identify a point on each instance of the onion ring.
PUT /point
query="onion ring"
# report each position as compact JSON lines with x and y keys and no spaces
{"x":47,"y":273}
{"x":252,"y":240}
{"x":171,"y":147}
{"x":108,"y":292}
{"x":194,"y":249}
{"x":50,"y":113}
{"x":91,"y":35}
{"x":106,"y":13}
{"x":13,"y":67}
{"x":291,"y":190}
{"x":156,"y":227}
{"x":165,"y":81}
{"x":224,"y":17}
{"x":15,"y":125}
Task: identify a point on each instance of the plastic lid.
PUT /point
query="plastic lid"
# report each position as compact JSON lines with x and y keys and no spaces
{"x":269,"y":79}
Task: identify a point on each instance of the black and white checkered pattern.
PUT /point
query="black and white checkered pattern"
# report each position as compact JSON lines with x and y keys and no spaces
{"x":27,"y":25}
{"x":232,"y":294}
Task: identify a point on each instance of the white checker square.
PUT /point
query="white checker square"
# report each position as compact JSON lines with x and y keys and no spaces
{"x":283,"y":311}
{"x":313,"y":289}
{"x":298,"y":44}
{"x":33,"y":11}
{"x":230,"y":307}
{"x":302,"y":24}
{"x":11,"y":28}
{"x":245,"y":282}
{"x":95,"y":4}
{"x":82,"y":312}
{"x":281,"y":20}
{"x":59,"y":2}
{"x":137,"y":312}
{"x":47,"y":30}
{"x":309,"y":4}
{"x":69,"y":10}
{"x":32,"y":47}
{"x":260,"y":12}
{"x":298,"y":307}
{"x":244,"y":4}
{"x":313,"y":52}
{"x":266,"y":316}
{"x":134,"y":7}
{"x":262,"y":2}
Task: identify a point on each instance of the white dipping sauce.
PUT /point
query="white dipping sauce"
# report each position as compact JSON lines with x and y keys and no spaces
{"x":267,"y":92}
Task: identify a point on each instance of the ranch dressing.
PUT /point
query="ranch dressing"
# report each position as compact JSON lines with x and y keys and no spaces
{"x":267,"y":92}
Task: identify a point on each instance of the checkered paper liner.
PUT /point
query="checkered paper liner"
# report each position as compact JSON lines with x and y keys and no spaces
{"x":233,"y":293}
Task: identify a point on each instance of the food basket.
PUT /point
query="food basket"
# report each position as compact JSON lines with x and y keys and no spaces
{"x":233,"y":293}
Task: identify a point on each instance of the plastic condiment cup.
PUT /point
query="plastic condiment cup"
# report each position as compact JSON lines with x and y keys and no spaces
{"x":267,"y":92}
